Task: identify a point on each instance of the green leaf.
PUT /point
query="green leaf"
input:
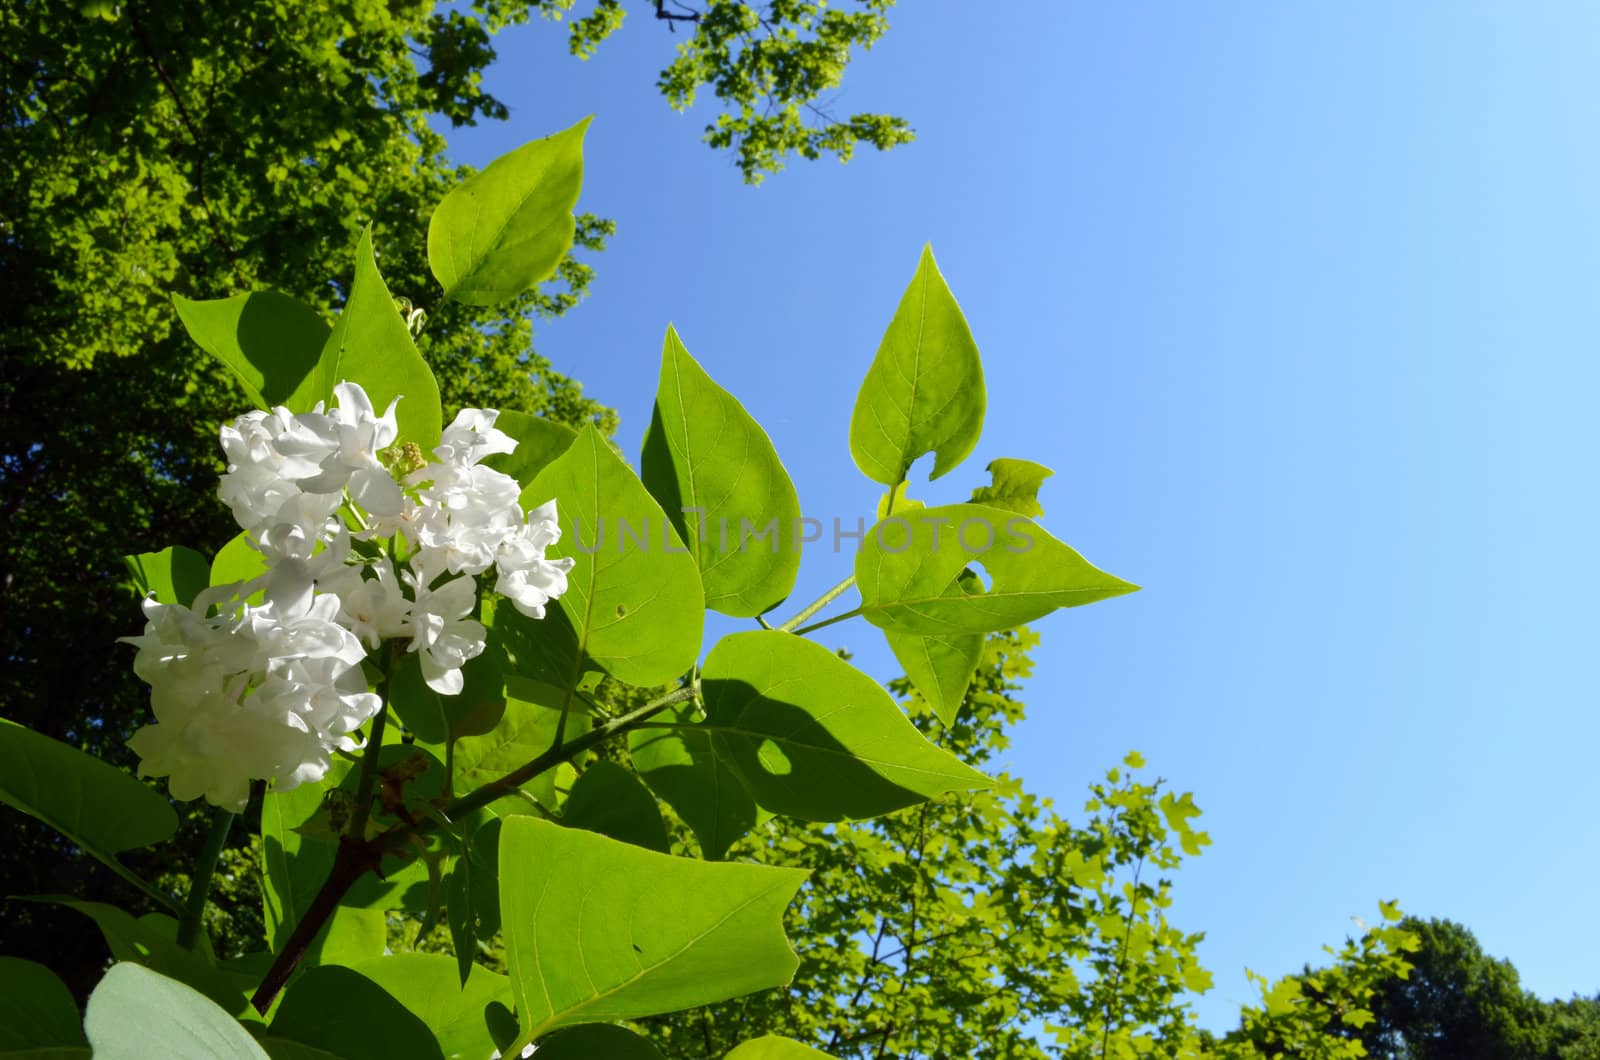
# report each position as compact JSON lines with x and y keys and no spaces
{"x":434,"y":718}
{"x":593,"y":1040}
{"x":810,"y":736}
{"x":429,"y":988}
{"x":351,"y":935}
{"x":907,"y":568}
{"x":292,"y":867}
{"x":238,"y":561}
{"x":149,"y":944}
{"x":505,"y":229}
{"x":598,"y":930}
{"x":924,"y":392}
{"x":321,"y":1009}
{"x":609,"y":799}
{"x":1015,"y":487}
{"x":285,"y":1049}
{"x":539,"y":441}
{"x":100,"y":808}
{"x":294,"y":863}
{"x":637,"y":608}
{"x":502,"y":1024}
{"x":940,"y":667}
{"x":176,"y":575}
{"x":371,"y":345}
{"x":269,"y":341}
{"x":36,"y":1008}
{"x":772,"y":1047}
{"x":681,"y":767}
{"x":524,"y":732}
{"x":704,"y":452}
{"x":136,"y":1013}
{"x":541,"y":654}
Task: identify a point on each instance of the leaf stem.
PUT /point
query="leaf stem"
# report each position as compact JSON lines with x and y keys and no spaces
{"x":827,"y":622}
{"x":367,"y":780}
{"x":358,"y":856}
{"x":512,"y":781}
{"x":194,"y":909}
{"x":817,"y":605}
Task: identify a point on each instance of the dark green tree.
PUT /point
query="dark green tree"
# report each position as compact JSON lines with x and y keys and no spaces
{"x":1459,"y":1003}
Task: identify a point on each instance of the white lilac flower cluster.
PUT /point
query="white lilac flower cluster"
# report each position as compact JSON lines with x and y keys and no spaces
{"x":269,"y":690}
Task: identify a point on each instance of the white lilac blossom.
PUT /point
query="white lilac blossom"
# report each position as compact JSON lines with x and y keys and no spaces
{"x":273,"y":689}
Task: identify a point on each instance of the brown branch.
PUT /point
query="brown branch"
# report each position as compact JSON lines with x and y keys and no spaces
{"x":357,"y":857}
{"x":353,"y":861}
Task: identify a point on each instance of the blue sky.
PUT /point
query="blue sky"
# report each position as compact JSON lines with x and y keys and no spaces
{"x":1298,"y":302}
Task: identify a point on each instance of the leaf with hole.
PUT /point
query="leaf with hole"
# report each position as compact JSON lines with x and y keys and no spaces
{"x":810,"y":736}
{"x":1015,"y":486}
{"x":908,"y":570}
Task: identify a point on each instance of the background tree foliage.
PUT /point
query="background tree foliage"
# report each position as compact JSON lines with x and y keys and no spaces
{"x":988,"y":924}
{"x":1459,"y":1002}
{"x":211,"y":148}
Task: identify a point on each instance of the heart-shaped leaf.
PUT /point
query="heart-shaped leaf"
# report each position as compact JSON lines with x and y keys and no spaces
{"x":924,"y":392}
{"x":503,"y":230}
{"x":633,"y":595}
{"x":716,"y":474}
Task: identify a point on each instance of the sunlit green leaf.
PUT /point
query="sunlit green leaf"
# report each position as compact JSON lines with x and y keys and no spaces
{"x":539,"y":441}
{"x":174,"y":575}
{"x":635,"y":604}
{"x":924,"y":392}
{"x":371,"y":345}
{"x":1015,"y":487}
{"x":940,"y":666}
{"x":598,"y":930}
{"x":506,"y":228}
{"x":907,"y":566}
{"x":772,"y":1047}
{"x":524,"y":732}
{"x":811,"y":736}
{"x":705,"y":453}
{"x":270,"y":342}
